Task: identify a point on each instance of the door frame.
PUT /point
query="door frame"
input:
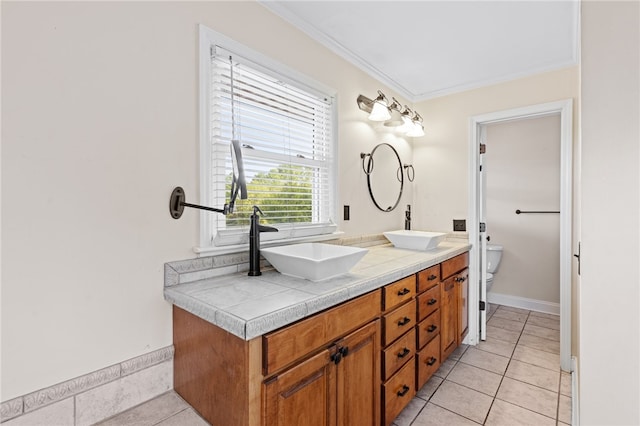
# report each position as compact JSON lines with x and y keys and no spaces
{"x":565,"y":109}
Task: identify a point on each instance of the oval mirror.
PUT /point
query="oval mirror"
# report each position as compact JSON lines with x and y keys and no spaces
{"x":385,"y":177}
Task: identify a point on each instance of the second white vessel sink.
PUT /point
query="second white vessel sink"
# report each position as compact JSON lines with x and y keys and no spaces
{"x":415,"y":240}
{"x":313,"y":261}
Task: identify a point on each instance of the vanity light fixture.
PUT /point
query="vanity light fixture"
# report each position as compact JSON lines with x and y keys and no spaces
{"x":417,"y":129}
{"x":396,"y":117}
{"x":380,"y":108}
{"x":403,"y":120}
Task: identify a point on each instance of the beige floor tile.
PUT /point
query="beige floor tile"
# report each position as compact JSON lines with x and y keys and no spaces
{"x":445,"y":368}
{"x":486,"y":360}
{"x":512,"y":309}
{"x":536,"y":357}
{"x":534,"y":375}
{"x":460,"y":350}
{"x":544,"y":315}
{"x":545,"y":322}
{"x":528,"y":396}
{"x":475,"y":378}
{"x":432,"y":415}
{"x":185,"y":418}
{"x":506,"y":324}
{"x":510,"y":315}
{"x":565,"y":384}
{"x":505,"y":414}
{"x":463,"y":401}
{"x":409,"y":413}
{"x":151,"y":412}
{"x":429,"y":388}
{"x":546,"y":333}
{"x":492,"y":309}
{"x":496,"y":333}
{"x":497,"y":347}
{"x":539,"y":343}
{"x":564,"y":409}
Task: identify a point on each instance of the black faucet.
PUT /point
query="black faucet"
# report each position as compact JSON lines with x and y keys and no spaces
{"x":407,"y":218}
{"x":254,"y":241}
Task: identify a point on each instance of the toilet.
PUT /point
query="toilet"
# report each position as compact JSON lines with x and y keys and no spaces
{"x":494,"y":255}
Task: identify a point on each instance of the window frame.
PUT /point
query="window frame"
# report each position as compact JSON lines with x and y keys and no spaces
{"x":207,"y":39}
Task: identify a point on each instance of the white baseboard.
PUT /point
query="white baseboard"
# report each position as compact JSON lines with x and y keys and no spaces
{"x":524,"y":303}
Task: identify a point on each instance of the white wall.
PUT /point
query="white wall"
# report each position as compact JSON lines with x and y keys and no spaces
{"x":441,"y":157}
{"x":523,"y":172}
{"x":609,"y":362}
{"x":99,"y":113}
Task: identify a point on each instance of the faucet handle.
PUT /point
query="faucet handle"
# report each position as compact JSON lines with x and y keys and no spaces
{"x":257,"y":210}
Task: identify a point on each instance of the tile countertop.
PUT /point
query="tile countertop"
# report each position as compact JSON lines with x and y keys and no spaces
{"x":249,"y":307}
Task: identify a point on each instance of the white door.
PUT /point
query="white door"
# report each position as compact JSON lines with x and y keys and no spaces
{"x":483,"y":233}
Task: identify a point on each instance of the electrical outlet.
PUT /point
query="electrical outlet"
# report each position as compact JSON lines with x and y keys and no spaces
{"x":346,"y":212}
{"x":459,"y":225}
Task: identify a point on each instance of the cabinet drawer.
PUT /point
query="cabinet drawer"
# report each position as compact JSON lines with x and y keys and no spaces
{"x":428,"y":361}
{"x":428,"y":302}
{"x":398,"y":292}
{"x":398,"y":322}
{"x":428,"y":328}
{"x":455,"y":264}
{"x":398,"y":392}
{"x":428,"y":278}
{"x":282,"y":347}
{"x":401,"y":351}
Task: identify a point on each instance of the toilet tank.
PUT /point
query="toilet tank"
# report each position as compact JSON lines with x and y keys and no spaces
{"x":494,"y":255}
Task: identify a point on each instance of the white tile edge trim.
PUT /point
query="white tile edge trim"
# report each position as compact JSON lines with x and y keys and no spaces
{"x":524,"y":303}
{"x":43,"y":397}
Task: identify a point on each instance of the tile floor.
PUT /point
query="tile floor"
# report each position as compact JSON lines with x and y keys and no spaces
{"x":513,"y":378}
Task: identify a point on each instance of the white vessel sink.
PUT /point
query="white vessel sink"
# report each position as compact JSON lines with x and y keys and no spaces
{"x":313,"y":261}
{"x":415,"y":240}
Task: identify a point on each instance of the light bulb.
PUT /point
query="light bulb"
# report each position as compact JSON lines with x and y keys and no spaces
{"x":416,"y":130}
{"x":379,"y":112}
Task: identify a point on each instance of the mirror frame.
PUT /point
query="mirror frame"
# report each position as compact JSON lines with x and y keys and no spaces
{"x":399,"y":176}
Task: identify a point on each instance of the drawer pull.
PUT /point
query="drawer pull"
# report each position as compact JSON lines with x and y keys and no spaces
{"x":432,"y":302}
{"x":461,"y":279}
{"x":403,"y":291}
{"x":432,"y":328}
{"x":404,"y":321}
{"x":405,"y":352}
{"x":404,"y":390}
{"x":431,"y":277}
{"x":431,"y":361}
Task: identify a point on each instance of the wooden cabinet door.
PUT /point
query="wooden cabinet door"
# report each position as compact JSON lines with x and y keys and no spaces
{"x":302,"y":395}
{"x":462,"y":287}
{"x":448,"y":318}
{"x":358,"y":377}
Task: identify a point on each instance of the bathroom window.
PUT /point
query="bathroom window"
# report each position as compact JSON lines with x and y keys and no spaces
{"x":285,"y":125}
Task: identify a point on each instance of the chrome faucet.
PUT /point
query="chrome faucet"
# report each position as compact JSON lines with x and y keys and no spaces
{"x":254,"y":241}
{"x":407,"y":218}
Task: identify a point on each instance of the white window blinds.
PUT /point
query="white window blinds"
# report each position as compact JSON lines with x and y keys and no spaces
{"x":285,"y":131}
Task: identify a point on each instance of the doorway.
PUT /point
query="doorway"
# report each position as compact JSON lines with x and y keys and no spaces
{"x":477,"y":235}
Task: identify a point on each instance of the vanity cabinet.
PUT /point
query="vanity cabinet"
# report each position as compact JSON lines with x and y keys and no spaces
{"x":399,"y":346}
{"x":358,"y":363}
{"x":337,"y":386}
{"x":454,"y":306}
{"x":429,"y":324}
{"x":462,"y":288}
